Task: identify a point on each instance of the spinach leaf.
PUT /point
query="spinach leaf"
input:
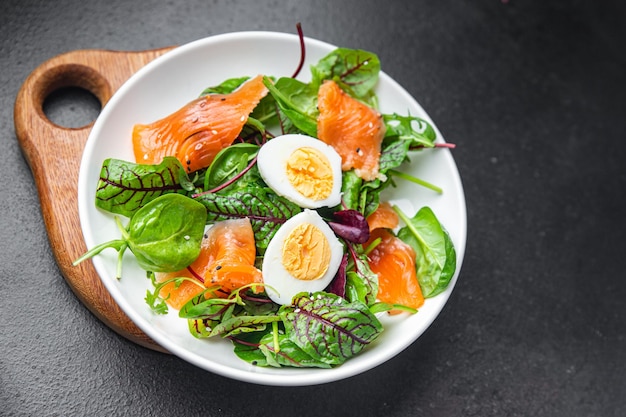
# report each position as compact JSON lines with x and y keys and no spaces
{"x":328,"y":327}
{"x":435,"y":253}
{"x":294,"y":100}
{"x":124,"y":187}
{"x":301,"y":95}
{"x":228,"y":162}
{"x":226,"y":87}
{"x":356,"y":71}
{"x":266,"y":112}
{"x":266,"y":210}
{"x":165,"y":235}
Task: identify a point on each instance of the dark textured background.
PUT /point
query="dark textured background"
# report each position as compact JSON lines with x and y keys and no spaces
{"x":532,"y":92}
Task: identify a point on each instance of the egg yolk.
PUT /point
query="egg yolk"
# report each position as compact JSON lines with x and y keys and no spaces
{"x":309,"y":172}
{"x":306,"y":252}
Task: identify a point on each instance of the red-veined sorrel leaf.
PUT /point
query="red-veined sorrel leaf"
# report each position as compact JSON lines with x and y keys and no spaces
{"x":266,"y":211}
{"x":328,"y":327}
{"x":124,"y":187}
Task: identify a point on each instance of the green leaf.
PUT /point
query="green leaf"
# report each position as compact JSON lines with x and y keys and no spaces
{"x":258,"y":349}
{"x":153,"y":298}
{"x":328,"y":328}
{"x":292,"y":104}
{"x":199,"y":329}
{"x":266,"y":112}
{"x":416,"y":130}
{"x":435,"y":253}
{"x":384,"y":307}
{"x":247,"y":348}
{"x":301,"y":96}
{"x":288,"y":353}
{"x":351,"y":189}
{"x":228,"y":163}
{"x":363,"y":196}
{"x":124,"y":187}
{"x":202,"y":308}
{"x":242,"y":324}
{"x":393,"y":154}
{"x":266,"y":211}
{"x":165,"y":235}
{"x":361,"y":281}
{"x":356,"y":71}
{"x":226,"y":87}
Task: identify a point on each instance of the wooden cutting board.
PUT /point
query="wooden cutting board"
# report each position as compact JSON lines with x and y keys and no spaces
{"x":54,"y":153}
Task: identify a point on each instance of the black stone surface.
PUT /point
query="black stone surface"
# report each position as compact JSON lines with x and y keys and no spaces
{"x":533,"y":94}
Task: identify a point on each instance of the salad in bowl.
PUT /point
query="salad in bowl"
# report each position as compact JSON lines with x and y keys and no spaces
{"x":272,"y":208}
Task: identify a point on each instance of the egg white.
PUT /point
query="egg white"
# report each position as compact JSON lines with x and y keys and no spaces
{"x":281,"y":285}
{"x":272,"y":160}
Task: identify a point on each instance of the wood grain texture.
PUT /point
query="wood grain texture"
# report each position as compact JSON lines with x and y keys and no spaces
{"x":53,"y":154}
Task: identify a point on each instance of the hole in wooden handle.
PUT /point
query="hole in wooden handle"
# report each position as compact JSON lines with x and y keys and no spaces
{"x":68,"y":76}
{"x":71,"y":107}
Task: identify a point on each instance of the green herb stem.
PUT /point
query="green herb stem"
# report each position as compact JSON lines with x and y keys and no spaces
{"x":115,"y":244}
{"x":372,"y":245}
{"x":434,"y":145}
{"x":120,"y":258}
{"x":409,"y":224}
{"x":123,"y":230}
{"x":275,"y":332}
{"x":415,"y":180}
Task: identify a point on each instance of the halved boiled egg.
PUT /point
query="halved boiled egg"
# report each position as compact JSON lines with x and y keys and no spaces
{"x":302,"y":169}
{"x":303,"y":256}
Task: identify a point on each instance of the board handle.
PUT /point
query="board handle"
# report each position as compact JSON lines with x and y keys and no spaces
{"x":53,"y":154}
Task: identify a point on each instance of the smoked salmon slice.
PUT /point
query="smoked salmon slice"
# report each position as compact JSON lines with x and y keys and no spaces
{"x":354,"y":129}
{"x":195,"y":133}
{"x":383,"y":217}
{"x":394,"y":262}
{"x":226,"y":259}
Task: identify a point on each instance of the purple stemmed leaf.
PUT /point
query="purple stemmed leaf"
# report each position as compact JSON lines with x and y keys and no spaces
{"x":338,"y":285}
{"x":328,"y":327}
{"x":350,"y":225}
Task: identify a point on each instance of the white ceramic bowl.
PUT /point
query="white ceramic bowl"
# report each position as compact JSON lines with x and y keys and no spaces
{"x":174,"y":79}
